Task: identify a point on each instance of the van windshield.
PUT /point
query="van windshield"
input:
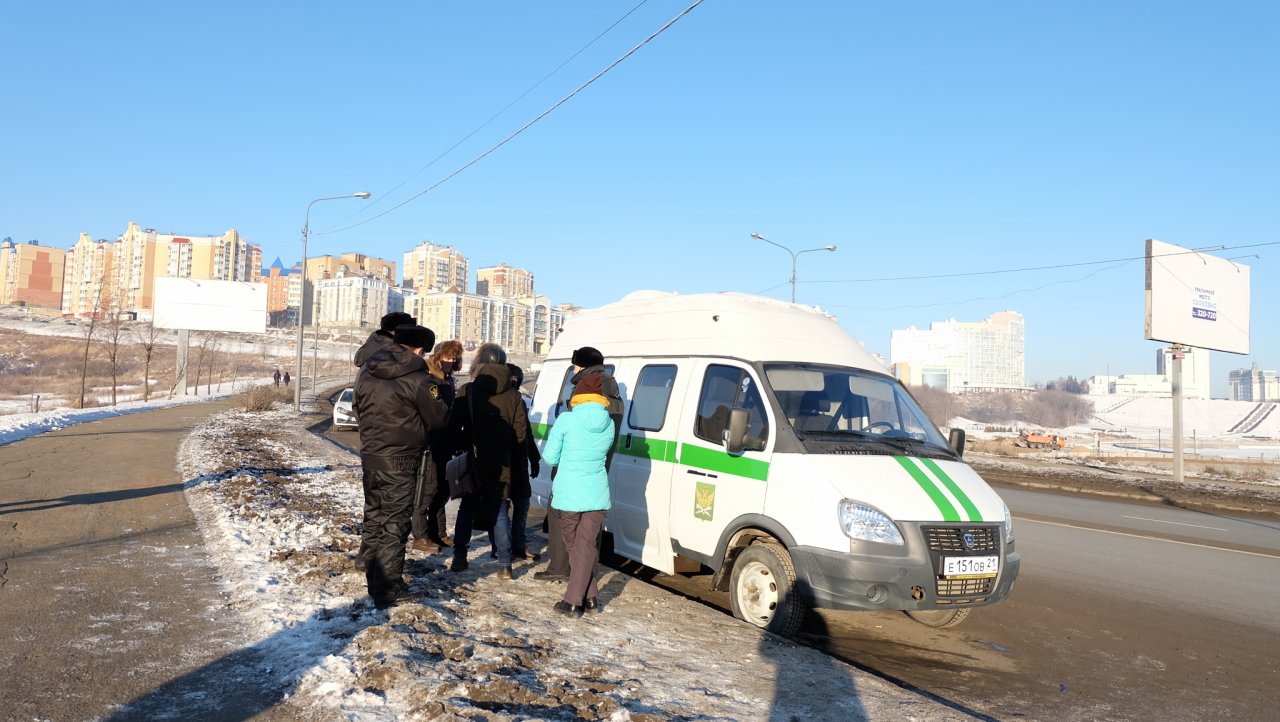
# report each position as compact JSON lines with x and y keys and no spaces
{"x":836,"y":401}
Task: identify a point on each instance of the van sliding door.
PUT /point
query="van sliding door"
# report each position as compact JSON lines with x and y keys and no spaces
{"x":640,"y":475}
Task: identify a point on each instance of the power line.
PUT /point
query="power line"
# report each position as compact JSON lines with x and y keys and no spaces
{"x":1041,"y":268}
{"x":485,"y":124}
{"x":526,"y":126}
{"x":1041,"y":287}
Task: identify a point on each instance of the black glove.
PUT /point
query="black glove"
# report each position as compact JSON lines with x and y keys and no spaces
{"x":534,"y":468}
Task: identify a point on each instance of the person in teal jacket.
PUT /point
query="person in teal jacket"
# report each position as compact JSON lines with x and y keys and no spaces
{"x":578,"y":444}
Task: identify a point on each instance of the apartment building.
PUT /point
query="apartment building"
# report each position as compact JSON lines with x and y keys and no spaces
{"x":350,"y":302}
{"x":503,"y":281}
{"x":431,"y":268}
{"x":31,"y":274}
{"x":1254,"y":384}
{"x":87,"y":279}
{"x":963,"y":356}
{"x":350,"y":264}
{"x":475,"y":319}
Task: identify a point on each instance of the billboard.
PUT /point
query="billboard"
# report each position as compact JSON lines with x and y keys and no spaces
{"x":203,"y":305}
{"x":1196,"y":299}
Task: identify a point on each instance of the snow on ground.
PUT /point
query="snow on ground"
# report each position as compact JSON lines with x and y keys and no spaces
{"x":279,"y":508}
{"x":15,"y":427}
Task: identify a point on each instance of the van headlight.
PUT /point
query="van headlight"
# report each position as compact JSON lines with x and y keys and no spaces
{"x":867,"y":523}
{"x":1008,"y":525}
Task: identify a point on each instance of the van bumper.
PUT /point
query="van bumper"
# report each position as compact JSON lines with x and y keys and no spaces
{"x":835,"y":580}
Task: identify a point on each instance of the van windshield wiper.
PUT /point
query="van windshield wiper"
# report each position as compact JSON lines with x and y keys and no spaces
{"x":907,"y":444}
{"x":912,"y":444}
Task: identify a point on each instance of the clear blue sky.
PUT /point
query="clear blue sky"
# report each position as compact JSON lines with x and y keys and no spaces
{"x":922,"y":138}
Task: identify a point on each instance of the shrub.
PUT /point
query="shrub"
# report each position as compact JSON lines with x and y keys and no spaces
{"x":261,"y":398}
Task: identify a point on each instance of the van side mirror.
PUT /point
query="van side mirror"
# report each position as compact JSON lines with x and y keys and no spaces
{"x":956,"y":438}
{"x":735,"y":432}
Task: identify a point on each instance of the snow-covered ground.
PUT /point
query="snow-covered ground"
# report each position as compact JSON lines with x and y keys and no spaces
{"x":279,"y":508}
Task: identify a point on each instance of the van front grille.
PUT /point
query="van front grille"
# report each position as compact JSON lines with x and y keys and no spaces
{"x":966,"y":588}
{"x":951,"y":539}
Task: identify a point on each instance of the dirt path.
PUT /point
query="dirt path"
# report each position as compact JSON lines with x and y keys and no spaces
{"x":106,"y":594}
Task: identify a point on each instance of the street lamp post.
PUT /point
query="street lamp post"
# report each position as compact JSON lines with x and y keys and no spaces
{"x":794,"y":254}
{"x":302,"y":302}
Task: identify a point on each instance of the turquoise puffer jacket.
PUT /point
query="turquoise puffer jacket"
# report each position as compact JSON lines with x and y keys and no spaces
{"x":578,"y":443}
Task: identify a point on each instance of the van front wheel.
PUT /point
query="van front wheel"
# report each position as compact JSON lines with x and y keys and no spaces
{"x":762,"y":590}
{"x":939,"y":618}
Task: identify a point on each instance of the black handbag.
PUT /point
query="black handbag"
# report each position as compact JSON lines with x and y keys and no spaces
{"x":463,"y":471}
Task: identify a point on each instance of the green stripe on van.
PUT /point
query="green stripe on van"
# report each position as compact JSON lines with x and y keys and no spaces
{"x":539,"y":429}
{"x":949,"y":512}
{"x":652,"y":449}
{"x":956,"y":491}
{"x":716,"y":460}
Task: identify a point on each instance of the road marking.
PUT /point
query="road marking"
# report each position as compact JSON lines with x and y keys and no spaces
{"x":1151,"y":538}
{"x":1162,"y":521}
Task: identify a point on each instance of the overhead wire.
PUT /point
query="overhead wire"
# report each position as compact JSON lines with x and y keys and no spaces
{"x":526,"y":126}
{"x":1038,"y":268}
{"x":486,"y":123}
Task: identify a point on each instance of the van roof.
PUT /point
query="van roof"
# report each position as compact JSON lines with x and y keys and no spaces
{"x":739,"y":325}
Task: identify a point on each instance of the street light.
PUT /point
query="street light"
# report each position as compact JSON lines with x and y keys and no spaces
{"x":759,"y":237}
{"x":302,"y":302}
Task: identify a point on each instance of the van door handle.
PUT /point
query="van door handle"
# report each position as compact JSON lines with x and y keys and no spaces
{"x":701,"y":473}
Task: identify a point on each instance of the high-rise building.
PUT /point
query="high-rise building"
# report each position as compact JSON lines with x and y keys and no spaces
{"x":503,"y":281}
{"x":350,"y":264}
{"x":404,"y":299}
{"x":350,"y":301}
{"x":31,"y":274}
{"x":1254,"y":384}
{"x":87,"y":283}
{"x":430,"y":268}
{"x":282,"y":307}
{"x":964,"y":356}
{"x":475,"y":319}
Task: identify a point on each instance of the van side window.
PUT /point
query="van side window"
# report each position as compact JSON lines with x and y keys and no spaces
{"x":650,"y":397}
{"x":724,"y":388}
{"x":566,"y":388}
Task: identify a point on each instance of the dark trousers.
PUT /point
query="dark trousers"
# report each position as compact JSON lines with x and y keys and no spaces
{"x":581,"y":530}
{"x":475,"y":513}
{"x":428,"y":504}
{"x":556,"y":550}
{"x":389,"y":483}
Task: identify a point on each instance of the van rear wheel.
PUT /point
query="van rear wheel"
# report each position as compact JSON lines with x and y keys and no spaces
{"x":939,"y":618}
{"x":762,"y":590}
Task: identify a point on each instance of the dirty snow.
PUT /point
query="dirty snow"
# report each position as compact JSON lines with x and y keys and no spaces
{"x":279,"y":509}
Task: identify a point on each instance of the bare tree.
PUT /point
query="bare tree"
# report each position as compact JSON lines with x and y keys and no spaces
{"x":146,"y":336}
{"x":936,"y":403}
{"x":204,"y":346}
{"x":112,"y":333}
{"x":214,"y":355}
{"x":88,"y":334}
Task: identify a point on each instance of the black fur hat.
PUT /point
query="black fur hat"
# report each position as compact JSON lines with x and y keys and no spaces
{"x":415,"y":336}
{"x":396,"y":318}
{"x":587,"y":357}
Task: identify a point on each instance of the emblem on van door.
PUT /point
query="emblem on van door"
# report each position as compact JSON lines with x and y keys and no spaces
{"x":969,"y":541}
{"x":704,"y":501}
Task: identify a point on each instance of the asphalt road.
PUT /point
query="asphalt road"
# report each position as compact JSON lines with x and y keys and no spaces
{"x":1122,"y":611}
{"x":107,"y":595}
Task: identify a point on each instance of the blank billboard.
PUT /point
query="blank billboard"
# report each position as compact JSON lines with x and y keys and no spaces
{"x":202,"y":305}
{"x":1196,"y":299}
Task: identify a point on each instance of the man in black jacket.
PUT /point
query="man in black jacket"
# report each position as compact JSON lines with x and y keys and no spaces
{"x":587,"y":361}
{"x":398,"y":404}
{"x":382,"y":337}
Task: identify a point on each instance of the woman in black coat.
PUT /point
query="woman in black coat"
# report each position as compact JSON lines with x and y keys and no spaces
{"x":490,"y":414}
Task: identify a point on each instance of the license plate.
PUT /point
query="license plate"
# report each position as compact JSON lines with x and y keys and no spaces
{"x":960,"y":567}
